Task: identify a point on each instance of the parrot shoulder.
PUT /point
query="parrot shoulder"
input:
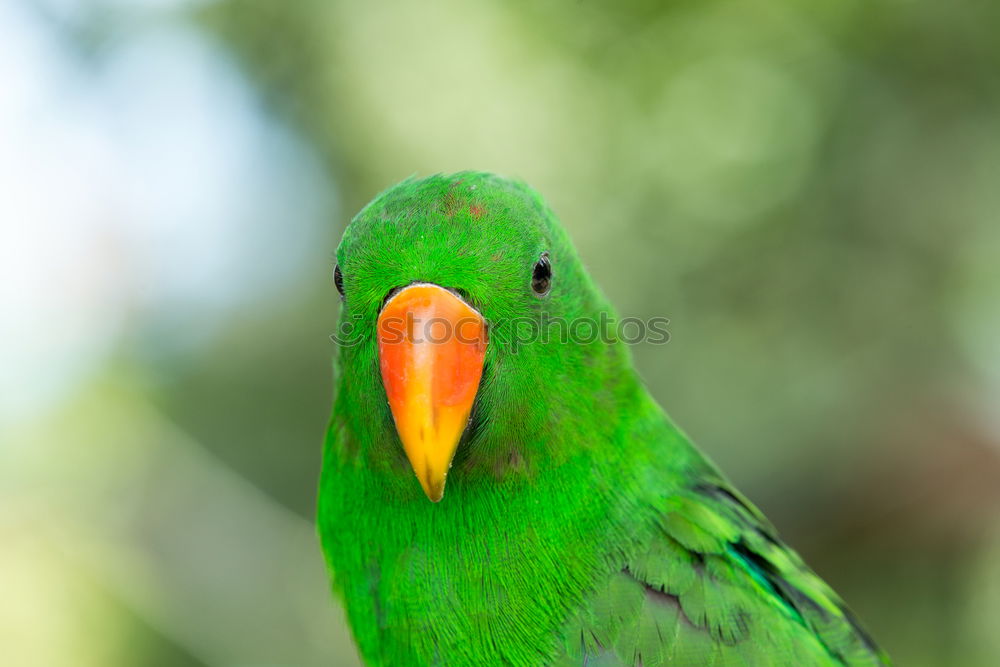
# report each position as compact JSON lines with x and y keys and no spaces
{"x":710,"y":583}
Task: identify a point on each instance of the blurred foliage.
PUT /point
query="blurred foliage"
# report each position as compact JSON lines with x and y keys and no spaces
{"x":808,"y":190}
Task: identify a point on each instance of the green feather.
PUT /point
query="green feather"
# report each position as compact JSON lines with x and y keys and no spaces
{"x":579,"y":525}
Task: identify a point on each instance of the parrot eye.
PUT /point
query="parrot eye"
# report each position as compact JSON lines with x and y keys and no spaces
{"x":338,"y":279}
{"x":541,"y":276}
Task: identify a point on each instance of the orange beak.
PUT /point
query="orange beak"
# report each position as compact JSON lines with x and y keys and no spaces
{"x":431,"y":347}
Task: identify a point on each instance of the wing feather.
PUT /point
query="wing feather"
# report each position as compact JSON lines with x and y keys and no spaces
{"x":712,"y":584}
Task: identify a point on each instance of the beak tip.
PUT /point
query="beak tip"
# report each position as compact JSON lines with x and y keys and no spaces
{"x":434,"y":492}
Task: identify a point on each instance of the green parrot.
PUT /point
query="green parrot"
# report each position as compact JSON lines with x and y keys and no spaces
{"x":580,"y":526}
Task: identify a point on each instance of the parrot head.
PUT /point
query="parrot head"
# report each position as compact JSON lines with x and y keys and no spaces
{"x":450,"y":288}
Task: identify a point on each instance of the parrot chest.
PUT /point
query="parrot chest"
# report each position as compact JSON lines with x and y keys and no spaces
{"x":467,"y":590}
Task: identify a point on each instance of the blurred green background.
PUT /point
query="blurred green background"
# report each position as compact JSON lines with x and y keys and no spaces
{"x":809,"y":191}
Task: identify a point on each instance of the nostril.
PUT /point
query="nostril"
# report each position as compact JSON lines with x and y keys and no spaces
{"x":391,"y":293}
{"x":461,"y":293}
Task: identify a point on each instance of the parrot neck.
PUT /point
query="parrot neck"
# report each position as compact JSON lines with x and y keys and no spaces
{"x":426,"y":581}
